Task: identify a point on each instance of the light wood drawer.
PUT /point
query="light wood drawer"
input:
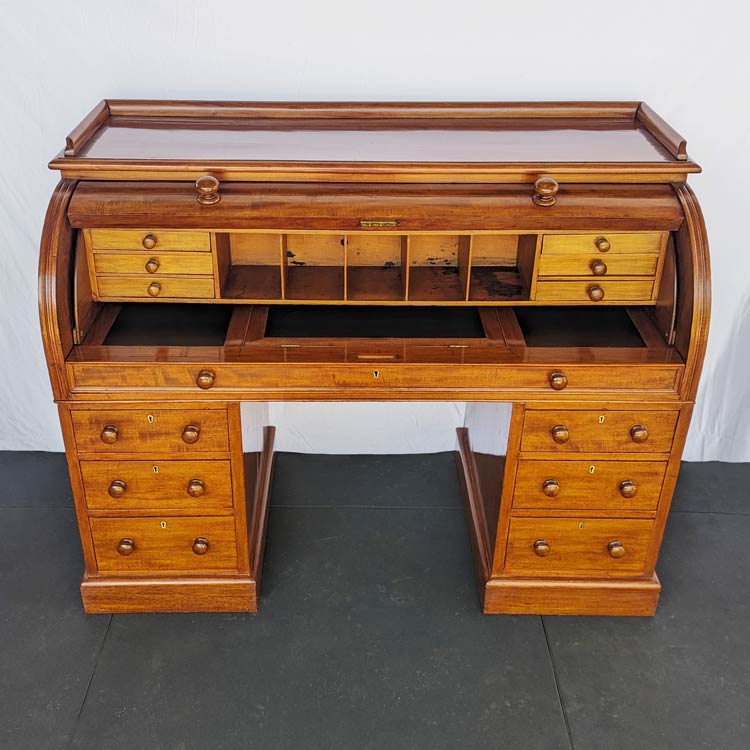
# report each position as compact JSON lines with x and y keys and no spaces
{"x":164,"y":544}
{"x":583,"y":290}
{"x":583,"y":265}
{"x":633,"y":242}
{"x":164,"y":263}
{"x":113,"y":431}
{"x":577,"y":547}
{"x":156,"y":287}
{"x":149,"y":240}
{"x":588,"y":485}
{"x":572,"y":431}
{"x":166,"y":486}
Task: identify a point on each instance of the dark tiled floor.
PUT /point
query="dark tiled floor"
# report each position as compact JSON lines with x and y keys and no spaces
{"x":370,"y":634}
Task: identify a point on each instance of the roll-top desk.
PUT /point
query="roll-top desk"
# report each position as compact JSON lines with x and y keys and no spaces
{"x":198,"y":255}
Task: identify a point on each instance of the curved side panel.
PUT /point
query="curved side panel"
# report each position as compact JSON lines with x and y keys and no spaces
{"x":55,"y":304}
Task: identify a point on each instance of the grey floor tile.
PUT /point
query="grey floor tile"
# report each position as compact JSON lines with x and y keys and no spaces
{"x":713,"y":487}
{"x":34,"y":479}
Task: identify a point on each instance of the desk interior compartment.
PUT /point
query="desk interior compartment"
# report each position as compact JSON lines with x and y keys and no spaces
{"x":250,"y":265}
{"x":501,"y":267}
{"x":313,"y":267}
{"x":438,"y":267}
{"x":376,"y":267}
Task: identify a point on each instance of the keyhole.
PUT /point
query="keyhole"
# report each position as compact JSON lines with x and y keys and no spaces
{"x":581,"y":525}
{"x":150,"y":418}
{"x":376,"y":374}
{"x":156,"y":469}
{"x":601,"y":419}
{"x":163,"y":524}
{"x":592,"y":469}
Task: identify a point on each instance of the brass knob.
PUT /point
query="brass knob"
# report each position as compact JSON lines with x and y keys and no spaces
{"x":560,"y":433}
{"x":109,"y":434}
{"x":200,"y":546}
{"x":628,"y":488}
{"x":117,"y":488}
{"x":558,"y":380}
{"x":545,"y":191}
{"x":638,"y":433}
{"x":598,"y":267}
{"x":551,"y":487}
{"x":205,"y":379}
{"x":149,"y":242}
{"x":191,"y":433}
{"x":602,"y":244}
{"x":125,"y":547}
{"x":541,"y":548}
{"x":154,"y":289}
{"x":616,"y":550}
{"x":596,"y":293}
{"x":152,"y":265}
{"x":196,"y":487}
{"x":208,"y":190}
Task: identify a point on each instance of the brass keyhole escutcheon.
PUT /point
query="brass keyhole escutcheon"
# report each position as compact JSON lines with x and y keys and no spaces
{"x":582,"y":525}
{"x":156,"y":469}
{"x":592,"y":469}
{"x":163,"y":524}
{"x":150,"y":418}
{"x":376,"y":374}
{"x":601,"y":419}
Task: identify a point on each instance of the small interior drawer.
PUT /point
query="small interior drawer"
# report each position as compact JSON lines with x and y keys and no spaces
{"x":149,"y":264}
{"x":631,"y":242}
{"x":149,"y":239}
{"x":156,"y":287}
{"x":597,"y":266}
{"x":585,"y":290}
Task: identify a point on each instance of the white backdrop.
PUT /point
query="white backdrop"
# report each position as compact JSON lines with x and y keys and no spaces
{"x":688,"y":60}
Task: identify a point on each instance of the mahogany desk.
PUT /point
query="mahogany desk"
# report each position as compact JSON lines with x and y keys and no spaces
{"x":197,"y":255}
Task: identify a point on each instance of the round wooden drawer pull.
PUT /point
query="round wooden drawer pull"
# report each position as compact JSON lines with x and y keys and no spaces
{"x":638,"y":433}
{"x":628,"y":488}
{"x":152,"y":265}
{"x":125,"y":547}
{"x":149,"y":242}
{"x":595,"y":292}
{"x":208,"y":190}
{"x":602,"y":244}
{"x":551,"y":487}
{"x":545,"y":191}
{"x":117,"y":488}
{"x":541,"y":548}
{"x":560,"y":434}
{"x":558,"y":381}
{"x":154,"y":289}
{"x":191,"y":433}
{"x":205,"y":379}
{"x":616,"y":550}
{"x":196,"y":487}
{"x":109,"y":434}
{"x":200,"y":546}
{"x":598,"y":267}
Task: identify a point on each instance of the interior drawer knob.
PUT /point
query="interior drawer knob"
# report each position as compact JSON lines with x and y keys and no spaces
{"x":208,"y":190}
{"x":616,"y":550}
{"x":149,"y":242}
{"x":598,"y":267}
{"x":125,"y":547}
{"x":117,"y":488}
{"x":558,"y":381}
{"x":638,"y":433}
{"x":560,"y":433}
{"x":541,"y":548}
{"x":152,"y":265}
{"x":595,"y":292}
{"x":551,"y":487}
{"x":191,"y":433}
{"x":628,"y":488}
{"x":196,"y":487}
{"x":200,"y":546}
{"x":154,"y":289}
{"x":109,"y":434}
{"x":602,"y":244}
{"x":205,"y":379}
{"x":545,"y":191}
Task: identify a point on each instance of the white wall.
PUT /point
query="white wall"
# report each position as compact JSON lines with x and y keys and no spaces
{"x":686,"y":59}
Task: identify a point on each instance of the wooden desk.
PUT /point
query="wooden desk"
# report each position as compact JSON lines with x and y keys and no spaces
{"x":196,"y":255}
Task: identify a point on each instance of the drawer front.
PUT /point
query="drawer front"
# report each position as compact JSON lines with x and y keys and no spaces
{"x":598,"y":431}
{"x":176,"y":486}
{"x":588,"y":485}
{"x":149,"y":240}
{"x":156,"y":287}
{"x":577,"y":547}
{"x":151,"y":431}
{"x":633,"y":242}
{"x":562,"y":264}
{"x":585,"y":290}
{"x":143,"y":264}
{"x":164,"y":544}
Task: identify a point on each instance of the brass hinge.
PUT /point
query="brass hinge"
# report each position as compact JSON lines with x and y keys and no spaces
{"x":377,"y":224}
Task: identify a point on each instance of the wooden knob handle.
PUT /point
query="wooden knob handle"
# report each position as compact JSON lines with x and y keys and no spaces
{"x":200,"y":546}
{"x":545,"y":191}
{"x":602,"y":244}
{"x":598,"y":267}
{"x":117,"y":488}
{"x":152,"y":265}
{"x":125,"y":547}
{"x":541,"y":548}
{"x":208,"y":190}
{"x":628,"y":489}
{"x":616,"y":549}
{"x":109,"y":434}
{"x":205,"y":379}
{"x":154,"y":289}
{"x":638,"y":433}
{"x":551,"y":487}
{"x":191,"y":433}
{"x":196,"y":487}
{"x":596,"y":293}
{"x":560,"y":433}
{"x":149,"y":242}
{"x":558,"y":380}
